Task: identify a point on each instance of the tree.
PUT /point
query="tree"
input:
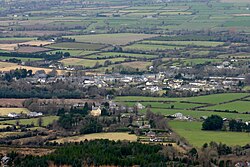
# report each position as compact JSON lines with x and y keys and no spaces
{"x":107,"y":63}
{"x":213,"y":122}
{"x":53,"y":73}
{"x":104,"y":112}
{"x":193,"y":153}
{"x":135,"y":109}
{"x":17,"y":123}
{"x":66,"y":121}
{"x":66,"y":54}
{"x":247,"y":79}
{"x":86,"y":106}
{"x":97,"y":64}
{"x":40,"y":122}
{"x":91,"y":127}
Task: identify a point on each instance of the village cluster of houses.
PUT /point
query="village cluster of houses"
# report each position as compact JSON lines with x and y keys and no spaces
{"x":208,"y":84}
{"x":150,"y":82}
{"x":242,"y":164}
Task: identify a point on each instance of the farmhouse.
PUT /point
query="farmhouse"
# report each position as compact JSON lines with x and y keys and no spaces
{"x":155,"y":139}
{"x":145,"y":127}
{"x":151,"y":134}
{"x":112,"y":105}
{"x":96,"y":111}
{"x":13,"y":115}
{"x":139,"y":106}
{"x":180,"y":116}
{"x":5,"y":160}
{"x":79,"y":105}
{"x":40,"y":74}
{"x":152,"y":88}
{"x":34,"y":114}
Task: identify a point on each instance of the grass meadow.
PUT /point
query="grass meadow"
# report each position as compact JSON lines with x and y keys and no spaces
{"x":113,"y":39}
{"x":192,"y":132}
{"x":46,"y":121}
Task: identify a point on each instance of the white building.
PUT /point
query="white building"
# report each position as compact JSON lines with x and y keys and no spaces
{"x":13,"y":115}
{"x":35,"y":114}
{"x":96,"y":111}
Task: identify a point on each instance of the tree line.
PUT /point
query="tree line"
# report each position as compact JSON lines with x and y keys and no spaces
{"x":17,"y":74}
{"x":46,"y":56}
{"x":216,"y":122}
{"x":97,"y":153}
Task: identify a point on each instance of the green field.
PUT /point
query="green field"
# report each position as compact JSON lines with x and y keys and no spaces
{"x":246,"y":88}
{"x":192,"y":132}
{"x":88,"y":62}
{"x":216,"y":98}
{"x":236,"y":55}
{"x":77,"y":46}
{"x":165,"y":105}
{"x":147,"y":47}
{"x":191,"y":62}
{"x":239,"y":106}
{"x":209,"y":99}
{"x":118,"y":54}
{"x":75,"y":53}
{"x":184,"y":43}
{"x":175,"y":13}
{"x":198,"y":114}
{"x":46,"y":120}
{"x":4,"y":58}
{"x":114,"y":39}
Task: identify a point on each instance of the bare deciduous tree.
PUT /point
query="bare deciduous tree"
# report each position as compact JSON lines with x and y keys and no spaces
{"x":40,"y":122}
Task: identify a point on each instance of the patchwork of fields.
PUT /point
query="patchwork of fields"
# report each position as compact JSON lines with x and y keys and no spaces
{"x":138,"y":38}
{"x":103,"y":46}
{"x":156,"y":18}
{"x":229,"y":105}
{"x":219,"y":104}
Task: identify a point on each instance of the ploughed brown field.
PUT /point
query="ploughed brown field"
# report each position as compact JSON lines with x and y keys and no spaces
{"x":26,"y":46}
{"x":27,"y":151}
{"x":11,"y":102}
{"x":30,"y":49}
{"x":8,"y":47}
{"x":6,"y":66}
{"x":36,"y":43}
